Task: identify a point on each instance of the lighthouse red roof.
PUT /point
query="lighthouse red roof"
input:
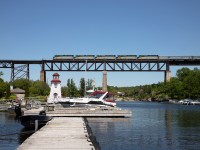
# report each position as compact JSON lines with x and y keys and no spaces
{"x":56,"y":74}
{"x":56,"y":78}
{"x":56,"y":81}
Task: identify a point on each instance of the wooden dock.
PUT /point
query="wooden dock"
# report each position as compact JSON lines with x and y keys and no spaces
{"x":66,"y":133}
{"x":32,"y":111}
{"x":81,"y":112}
{"x":67,"y":129}
{"x":74,"y":112}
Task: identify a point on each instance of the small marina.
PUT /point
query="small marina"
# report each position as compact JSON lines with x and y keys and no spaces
{"x":62,"y":119}
{"x":63,"y":124}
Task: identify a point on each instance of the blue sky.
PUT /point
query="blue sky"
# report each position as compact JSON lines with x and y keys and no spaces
{"x":40,"y":29}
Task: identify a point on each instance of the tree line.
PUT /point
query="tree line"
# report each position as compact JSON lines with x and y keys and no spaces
{"x":186,"y":84}
{"x":41,"y":89}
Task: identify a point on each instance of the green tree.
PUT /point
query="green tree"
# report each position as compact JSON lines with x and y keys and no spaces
{"x":64,"y":91}
{"x":174,"y":88}
{"x":39,"y":88}
{"x":72,"y":89}
{"x":182,"y":73}
{"x":3,"y":87}
{"x":21,"y":83}
{"x":27,"y":90}
{"x":7,"y":91}
{"x":191,"y":84}
{"x":82,"y":87}
{"x":89,"y":85}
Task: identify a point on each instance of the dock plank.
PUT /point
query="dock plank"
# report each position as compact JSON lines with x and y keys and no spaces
{"x":90,"y":113}
{"x":81,"y":112}
{"x":32,"y":111}
{"x":60,"y":133}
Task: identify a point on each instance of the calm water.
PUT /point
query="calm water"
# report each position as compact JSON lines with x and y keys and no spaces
{"x":152,"y":126}
{"x":11,"y":132}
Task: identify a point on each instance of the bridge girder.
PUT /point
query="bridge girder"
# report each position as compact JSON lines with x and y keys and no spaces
{"x":105,"y":66}
{"x":20,"y":68}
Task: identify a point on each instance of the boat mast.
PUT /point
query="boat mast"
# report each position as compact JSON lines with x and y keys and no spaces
{"x":85,"y":77}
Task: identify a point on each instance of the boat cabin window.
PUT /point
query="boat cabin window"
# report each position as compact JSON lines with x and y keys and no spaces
{"x":98,"y":95}
{"x":109,"y":97}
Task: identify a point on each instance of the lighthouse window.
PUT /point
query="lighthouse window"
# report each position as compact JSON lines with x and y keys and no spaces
{"x":55,"y":85}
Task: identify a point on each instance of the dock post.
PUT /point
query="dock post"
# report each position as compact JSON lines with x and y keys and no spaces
{"x":36,"y":125}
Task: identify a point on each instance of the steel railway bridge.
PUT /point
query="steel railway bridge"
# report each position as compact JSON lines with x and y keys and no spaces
{"x":20,"y":68}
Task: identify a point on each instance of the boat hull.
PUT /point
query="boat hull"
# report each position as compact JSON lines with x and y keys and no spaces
{"x":29,"y":121}
{"x":76,"y":103}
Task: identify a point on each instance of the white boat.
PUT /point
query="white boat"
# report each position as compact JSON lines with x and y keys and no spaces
{"x":97,"y":97}
{"x":197,"y":102}
{"x":184,"y":101}
{"x":188,"y":102}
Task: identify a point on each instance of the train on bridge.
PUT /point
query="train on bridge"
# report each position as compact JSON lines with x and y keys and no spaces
{"x":123,"y":57}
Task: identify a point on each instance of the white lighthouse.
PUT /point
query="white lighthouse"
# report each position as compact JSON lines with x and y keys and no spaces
{"x":55,"y":93}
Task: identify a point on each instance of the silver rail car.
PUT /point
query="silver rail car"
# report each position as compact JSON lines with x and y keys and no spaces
{"x":148,"y":57}
{"x":103,"y":57}
{"x":175,"y":57}
{"x":126,"y":57}
{"x":63,"y":57}
{"x":196,"y":57}
{"x":88,"y":57}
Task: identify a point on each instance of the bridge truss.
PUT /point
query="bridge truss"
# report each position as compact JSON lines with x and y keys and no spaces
{"x":20,"y":68}
{"x":104,"y":66}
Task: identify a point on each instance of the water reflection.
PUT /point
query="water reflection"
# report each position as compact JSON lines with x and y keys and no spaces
{"x":152,"y":126}
{"x":188,"y":118}
{"x":12,"y":133}
{"x":24,"y":134}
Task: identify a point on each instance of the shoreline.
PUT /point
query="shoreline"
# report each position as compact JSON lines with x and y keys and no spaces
{"x":92,"y":137}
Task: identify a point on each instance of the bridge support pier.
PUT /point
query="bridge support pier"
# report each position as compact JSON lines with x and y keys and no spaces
{"x":167,"y":76}
{"x":43,"y":76}
{"x":104,"y":82}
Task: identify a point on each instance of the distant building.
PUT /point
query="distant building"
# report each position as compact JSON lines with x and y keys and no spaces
{"x":18,"y":92}
{"x":120,"y":93}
